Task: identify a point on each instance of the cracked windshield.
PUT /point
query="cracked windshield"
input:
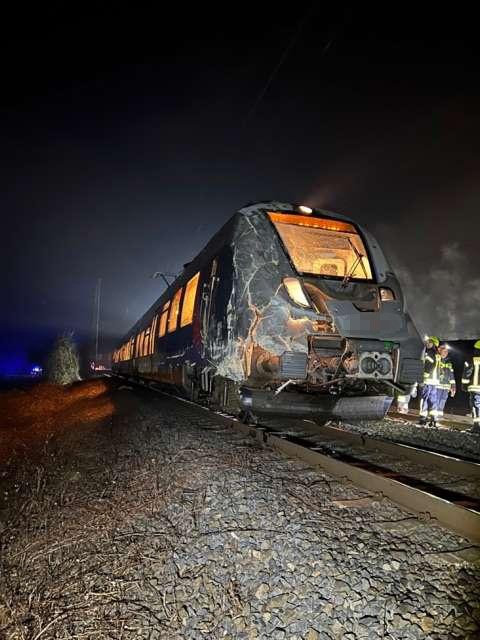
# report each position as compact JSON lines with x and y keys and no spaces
{"x":329,"y":248}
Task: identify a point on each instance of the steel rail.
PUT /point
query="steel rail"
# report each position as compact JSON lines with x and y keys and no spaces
{"x":463,"y":521}
{"x":455,"y":517}
{"x":441,"y":460}
{"x":450,"y":420}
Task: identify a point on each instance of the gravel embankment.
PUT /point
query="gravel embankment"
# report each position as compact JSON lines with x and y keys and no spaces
{"x":162,"y":523}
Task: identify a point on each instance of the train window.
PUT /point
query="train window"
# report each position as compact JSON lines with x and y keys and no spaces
{"x":163,"y":320}
{"x":174,"y":309}
{"x":153,"y":329}
{"x":146,"y":342}
{"x":323,"y":247}
{"x":189,"y":301}
{"x":137,"y":345}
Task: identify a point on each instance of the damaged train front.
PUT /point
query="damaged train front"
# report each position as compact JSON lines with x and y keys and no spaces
{"x":337,"y":341}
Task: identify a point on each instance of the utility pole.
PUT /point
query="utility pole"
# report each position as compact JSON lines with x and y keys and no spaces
{"x":98,"y":292}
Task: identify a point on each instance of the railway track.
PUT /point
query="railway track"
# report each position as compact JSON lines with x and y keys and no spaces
{"x":431,"y":456}
{"x":433,"y":485}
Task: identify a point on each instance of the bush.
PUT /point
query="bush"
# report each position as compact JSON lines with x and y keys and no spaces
{"x":63,"y":364}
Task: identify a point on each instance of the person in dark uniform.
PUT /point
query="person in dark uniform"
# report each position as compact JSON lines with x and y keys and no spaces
{"x":428,"y":390}
{"x":446,"y":380}
{"x":471,"y":384}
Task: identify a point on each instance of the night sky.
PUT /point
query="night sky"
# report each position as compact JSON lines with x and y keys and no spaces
{"x":127,"y":140}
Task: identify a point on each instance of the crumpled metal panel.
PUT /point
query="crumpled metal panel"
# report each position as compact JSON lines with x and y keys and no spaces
{"x":258,"y":311}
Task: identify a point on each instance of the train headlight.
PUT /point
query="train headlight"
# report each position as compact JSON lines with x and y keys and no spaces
{"x":386,"y":294}
{"x":304,"y":209}
{"x":368,"y":365}
{"x":375,"y":365}
{"x":384,"y":366}
{"x":295,"y":291}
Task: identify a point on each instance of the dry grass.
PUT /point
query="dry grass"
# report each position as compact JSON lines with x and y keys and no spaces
{"x":28,"y":418}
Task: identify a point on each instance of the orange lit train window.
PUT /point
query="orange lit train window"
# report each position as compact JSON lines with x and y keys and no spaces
{"x":323,"y":247}
{"x":140,"y":344}
{"x":189,"y":301}
{"x":163,"y":320}
{"x":307,"y":221}
{"x":137,"y":345}
{"x":146,"y":342}
{"x":153,"y":330}
{"x":174,"y":309}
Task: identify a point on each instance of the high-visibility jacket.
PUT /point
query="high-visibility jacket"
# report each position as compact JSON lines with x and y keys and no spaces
{"x":445,"y":374}
{"x":430,"y":364}
{"x":471,"y":375}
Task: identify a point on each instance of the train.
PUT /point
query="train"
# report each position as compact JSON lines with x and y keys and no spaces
{"x":287,"y":311}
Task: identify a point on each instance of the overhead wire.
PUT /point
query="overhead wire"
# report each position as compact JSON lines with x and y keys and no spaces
{"x":280,"y":63}
{"x":292,"y":42}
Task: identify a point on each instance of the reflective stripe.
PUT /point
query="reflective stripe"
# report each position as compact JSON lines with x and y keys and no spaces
{"x":429,"y":359}
{"x":475,"y":386}
{"x":476,"y":365}
{"x":432,"y":377}
{"x":476,"y":420}
{"x":465,"y":380}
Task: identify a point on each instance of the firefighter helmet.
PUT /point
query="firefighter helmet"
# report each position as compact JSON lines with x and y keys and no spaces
{"x":435,"y":340}
{"x":477,"y":345}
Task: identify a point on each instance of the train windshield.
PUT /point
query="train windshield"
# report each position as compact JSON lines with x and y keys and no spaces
{"x":323,"y":247}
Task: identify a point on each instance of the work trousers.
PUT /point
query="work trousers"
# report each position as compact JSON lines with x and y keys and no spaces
{"x":474,"y":398}
{"x":428,"y":400}
{"x":442,"y":396}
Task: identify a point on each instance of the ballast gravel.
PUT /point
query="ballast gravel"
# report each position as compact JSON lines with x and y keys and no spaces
{"x":169,"y":524}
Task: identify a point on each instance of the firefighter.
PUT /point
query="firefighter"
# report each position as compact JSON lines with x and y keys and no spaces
{"x":471,"y":384}
{"x":446,"y":379}
{"x":428,"y":390}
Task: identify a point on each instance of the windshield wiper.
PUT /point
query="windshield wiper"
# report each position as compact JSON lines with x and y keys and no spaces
{"x":358,"y":261}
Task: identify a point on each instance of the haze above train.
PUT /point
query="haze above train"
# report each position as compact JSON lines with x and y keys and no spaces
{"x":287,"y":310}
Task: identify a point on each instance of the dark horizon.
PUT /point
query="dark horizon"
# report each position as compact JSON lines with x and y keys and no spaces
{"x":117,"y":170}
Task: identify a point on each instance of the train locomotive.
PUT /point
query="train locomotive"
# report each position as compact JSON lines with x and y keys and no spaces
{"x":288,"y":310}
